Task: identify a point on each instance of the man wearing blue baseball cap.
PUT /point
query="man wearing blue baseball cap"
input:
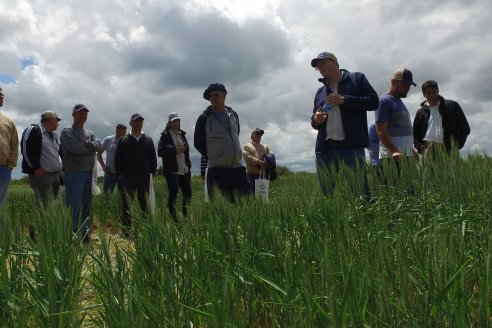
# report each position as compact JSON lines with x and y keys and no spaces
{"x":79,"y":146}
{"x":393,"y":123}
{"x":340,"y":117}
{"x":217,"y":139}
{"x":135,"y":159}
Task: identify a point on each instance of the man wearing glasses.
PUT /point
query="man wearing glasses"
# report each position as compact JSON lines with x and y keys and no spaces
{"x":9,"y":151}
{"x":339,"y":115}
{"x":217,"y":139}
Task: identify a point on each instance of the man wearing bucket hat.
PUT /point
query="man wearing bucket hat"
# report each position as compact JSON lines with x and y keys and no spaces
{"x":340,"y":116}
{"x":253,"y":153}
{"x":79,"y":147}
{"x":176,"y":165}
{"x":217,"y":138}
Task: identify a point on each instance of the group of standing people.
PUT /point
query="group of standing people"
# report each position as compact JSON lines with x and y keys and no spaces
{"x":340,"y":116}
{"x":131,"y":162}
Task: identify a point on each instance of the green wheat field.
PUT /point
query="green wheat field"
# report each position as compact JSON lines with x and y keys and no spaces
{"x":417,"y":255}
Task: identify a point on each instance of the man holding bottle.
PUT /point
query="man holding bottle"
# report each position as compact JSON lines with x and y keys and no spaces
{"x":339,"y":115}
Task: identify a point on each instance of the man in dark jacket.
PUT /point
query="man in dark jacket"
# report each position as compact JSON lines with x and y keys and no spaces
{"x":339,"y":115}
{"x":41,"y":157}
{"x":176,"y":165}
{"x":217,"y":139}
{"x":439,"y":121}
{"x":135,"y":160}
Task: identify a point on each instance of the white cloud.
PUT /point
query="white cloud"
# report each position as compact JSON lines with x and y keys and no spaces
{"x":120,"y":57}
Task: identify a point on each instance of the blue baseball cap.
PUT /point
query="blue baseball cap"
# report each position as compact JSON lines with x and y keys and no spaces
{"x":404,"y":75}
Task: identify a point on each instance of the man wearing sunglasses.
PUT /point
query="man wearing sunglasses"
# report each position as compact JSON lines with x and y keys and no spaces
{"x":9,"y":151}
{"x":217,"y":139}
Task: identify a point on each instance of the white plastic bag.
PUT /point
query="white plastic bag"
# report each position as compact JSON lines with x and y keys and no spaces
{"x":95,"y":189}
{"x":261,"y":188}
{"x":151,"y":195}
{"x":207,"y":197}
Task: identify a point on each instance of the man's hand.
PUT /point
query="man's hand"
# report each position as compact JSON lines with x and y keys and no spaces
{"x":181,"y":148}
{"x":335,"y":99}
{"x":415,"y":154}
{"x":320,"y":116}
{"x":39,"y":172}
{"x":396,"y":156}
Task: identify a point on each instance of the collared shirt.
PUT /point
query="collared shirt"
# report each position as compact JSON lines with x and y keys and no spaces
{"x":180,"y":157}
{"x":50,"y":159}
{"x":435,"y":131}
{"x":334,"y":127}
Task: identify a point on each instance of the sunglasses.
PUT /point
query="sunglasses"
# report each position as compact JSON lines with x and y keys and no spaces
{"x":214,"y":94}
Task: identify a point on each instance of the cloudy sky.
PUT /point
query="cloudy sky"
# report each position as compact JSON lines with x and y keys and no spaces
{"x":155,"y":57}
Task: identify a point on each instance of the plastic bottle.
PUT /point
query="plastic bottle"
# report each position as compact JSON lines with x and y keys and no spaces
{"x":326,"y":107}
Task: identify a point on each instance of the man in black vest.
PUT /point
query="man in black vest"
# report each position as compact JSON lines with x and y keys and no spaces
{"x":41,"y":157}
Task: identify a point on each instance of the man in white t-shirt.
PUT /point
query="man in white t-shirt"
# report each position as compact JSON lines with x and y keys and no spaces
{"x":439,"y":122}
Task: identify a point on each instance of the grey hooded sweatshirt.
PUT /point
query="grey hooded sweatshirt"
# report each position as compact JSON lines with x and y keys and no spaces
{"x":217,"y":138}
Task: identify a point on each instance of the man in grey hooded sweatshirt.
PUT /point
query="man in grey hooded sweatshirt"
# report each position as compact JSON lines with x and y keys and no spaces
{"x":217,"y":139}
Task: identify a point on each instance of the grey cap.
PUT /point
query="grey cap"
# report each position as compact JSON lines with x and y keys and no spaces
{"x":321,"y":56}
{"x":49,"y":114}
{"x":79,"y":107}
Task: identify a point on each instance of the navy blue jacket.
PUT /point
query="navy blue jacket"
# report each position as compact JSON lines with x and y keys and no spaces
{"x":360,"y":97}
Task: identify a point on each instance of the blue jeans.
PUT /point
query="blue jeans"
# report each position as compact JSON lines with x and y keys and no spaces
{"x":332,"y":157}
{"x":78,"y":197}
{"x":109,"y":183}
{"x":174,"y":183}
{"x":5,"y":173}
{"x":230,"y":180}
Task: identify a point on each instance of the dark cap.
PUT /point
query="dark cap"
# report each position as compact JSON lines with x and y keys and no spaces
{"x":79,"y":107}
{"x":322,"y":56}
{"x":136,"y":116}
{"x":49,"y":114}
{"x":258,"y":131}
{"x":404,"y":75}
{"x":214,"y":87}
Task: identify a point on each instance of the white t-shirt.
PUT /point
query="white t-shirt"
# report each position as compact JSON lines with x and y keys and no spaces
{"x":334,"y":127}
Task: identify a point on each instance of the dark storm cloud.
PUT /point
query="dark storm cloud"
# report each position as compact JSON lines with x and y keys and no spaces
{"x":195,"y":51}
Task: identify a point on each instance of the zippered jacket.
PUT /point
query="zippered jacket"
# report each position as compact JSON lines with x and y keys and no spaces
{"x":359,"y":98}
{"x":134,"y":157}
{"x":217,"y":139}
{"x":454,"y":123}
{"x":167,"y":150}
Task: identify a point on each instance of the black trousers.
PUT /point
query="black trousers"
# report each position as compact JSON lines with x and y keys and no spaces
{"x":134,"y":184}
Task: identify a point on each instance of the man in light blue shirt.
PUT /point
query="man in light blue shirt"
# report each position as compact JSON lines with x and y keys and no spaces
{"x":110,"y":143}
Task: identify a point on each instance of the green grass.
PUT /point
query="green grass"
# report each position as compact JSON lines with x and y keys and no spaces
{"x":419,"y":255}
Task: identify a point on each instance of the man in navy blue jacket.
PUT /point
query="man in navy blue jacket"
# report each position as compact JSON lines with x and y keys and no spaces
{"x":339,"y":115}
